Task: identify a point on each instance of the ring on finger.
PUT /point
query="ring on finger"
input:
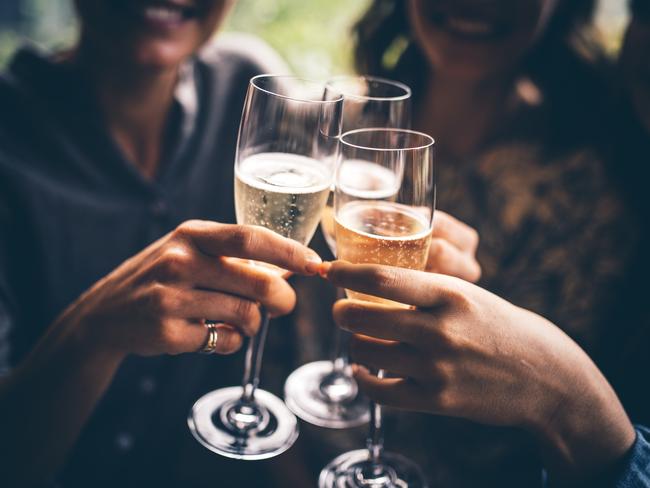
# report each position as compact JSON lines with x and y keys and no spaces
{"x":213,"y":335}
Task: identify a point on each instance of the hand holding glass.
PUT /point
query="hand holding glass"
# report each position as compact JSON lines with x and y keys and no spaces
{"x":283,"y":174}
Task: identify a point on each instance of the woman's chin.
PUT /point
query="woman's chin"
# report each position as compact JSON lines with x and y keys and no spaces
{"x":160,"y":55}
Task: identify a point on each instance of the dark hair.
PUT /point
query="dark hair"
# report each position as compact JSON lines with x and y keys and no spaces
{"x":384,"y":45}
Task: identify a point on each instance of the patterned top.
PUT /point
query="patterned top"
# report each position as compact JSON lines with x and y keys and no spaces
{"x":556,"y":238}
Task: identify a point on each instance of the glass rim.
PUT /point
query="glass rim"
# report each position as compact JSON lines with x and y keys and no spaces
{"x":407,"y":89}
{"x":430,"y":143}
{"x":254,"y":83}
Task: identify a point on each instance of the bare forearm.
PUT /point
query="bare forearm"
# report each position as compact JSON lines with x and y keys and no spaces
{"x":47,"y":400}
{"x":588,"y":433}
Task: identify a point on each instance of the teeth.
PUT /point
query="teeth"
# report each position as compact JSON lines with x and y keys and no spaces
{"x":163,"y":14}
{"x":471,"y":27}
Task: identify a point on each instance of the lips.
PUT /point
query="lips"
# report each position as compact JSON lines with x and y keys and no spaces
{"x":159,"y":14}
{"x":168,"y":12}
{"x":469,"y":26}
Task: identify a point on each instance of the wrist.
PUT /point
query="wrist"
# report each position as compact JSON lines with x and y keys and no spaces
{"x":81,"y":338}
{"x":583,"y":429}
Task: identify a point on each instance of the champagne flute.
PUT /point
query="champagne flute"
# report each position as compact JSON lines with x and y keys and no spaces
{"x":324,"y":393}
{"x":283,"y":173}
{"x":394,"y":230}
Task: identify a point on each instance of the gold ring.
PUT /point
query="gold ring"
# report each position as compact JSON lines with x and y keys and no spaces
{"x":213,"y":336}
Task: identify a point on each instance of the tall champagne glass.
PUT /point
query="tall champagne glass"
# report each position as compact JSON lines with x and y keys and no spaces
{"x":284,"y":169}
{"x":324,"y":393}
{"x":391,"y":229}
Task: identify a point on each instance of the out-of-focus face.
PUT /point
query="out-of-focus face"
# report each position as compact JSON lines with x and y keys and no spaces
{"x":635,"y":66}
{"x":150,"y":33}
{"x":474,"y":39}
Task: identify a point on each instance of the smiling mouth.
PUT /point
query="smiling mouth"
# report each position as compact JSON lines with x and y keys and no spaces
{"x":469,"y":28}
{"x":161,"y":14}
{"x":168,"y":12}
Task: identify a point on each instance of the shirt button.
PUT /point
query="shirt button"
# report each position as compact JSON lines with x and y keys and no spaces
{"x":124,"y":441}
{"x":147,"y":385}
{"x":159,"y":209}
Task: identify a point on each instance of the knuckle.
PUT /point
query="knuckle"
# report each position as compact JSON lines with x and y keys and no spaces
{"x":245,"y":310}
{"x":473,"y":237}
{"x":291,"y":252}
{"x":386,"y":277}
{"x":262,"y":286}
{"x":443,"y":400}
{"x":157,"y":297}
{"x":169,"y":336}
{"x":445,"y":339}
{"x":242,"y":238}
{"x":421,"y":336}
{"x":441,"y":374}
{"x":174,"y":263}
{"x":475,"y":272}
{"x":186,"y":229}
{"x":459,"y":300}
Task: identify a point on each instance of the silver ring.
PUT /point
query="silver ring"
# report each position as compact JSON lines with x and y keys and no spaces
{"x":211,"y":341}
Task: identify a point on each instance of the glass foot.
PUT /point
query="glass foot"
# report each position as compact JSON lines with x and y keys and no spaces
{"x":354,"y":470}
{"x":225,"y":424}
{"x":320,"y":396}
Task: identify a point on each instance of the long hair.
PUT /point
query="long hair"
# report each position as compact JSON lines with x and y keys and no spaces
{"x":384,"y":45}
{"x":566,"y":63}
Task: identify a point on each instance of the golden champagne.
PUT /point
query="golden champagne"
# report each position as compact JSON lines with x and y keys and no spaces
{"x":362,"y":179}
{"x":282,"y":192}
{"x":381,"y":232}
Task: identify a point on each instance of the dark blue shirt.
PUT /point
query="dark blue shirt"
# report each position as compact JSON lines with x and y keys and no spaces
{"x":635,"y":471}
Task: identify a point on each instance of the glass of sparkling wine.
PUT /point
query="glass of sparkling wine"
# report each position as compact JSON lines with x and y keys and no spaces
{"x":284,"y":170}
{"x":391,"y":229}
{"x":324,"y":393}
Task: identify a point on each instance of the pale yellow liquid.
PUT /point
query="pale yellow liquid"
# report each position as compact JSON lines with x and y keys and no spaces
{"x":381,"y":232}
{"x":363,"y":179}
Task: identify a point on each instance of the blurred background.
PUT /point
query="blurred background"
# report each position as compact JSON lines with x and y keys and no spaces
{"x":312,"y":35}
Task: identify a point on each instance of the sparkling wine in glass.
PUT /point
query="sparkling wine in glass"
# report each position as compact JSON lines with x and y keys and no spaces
{"x":386,"y":229}
{"x":284,"y":170}
{"x":324,"y":393}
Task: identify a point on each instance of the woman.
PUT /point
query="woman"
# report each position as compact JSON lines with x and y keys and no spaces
{"x":105,"y":153}
{"x":516,"y":110}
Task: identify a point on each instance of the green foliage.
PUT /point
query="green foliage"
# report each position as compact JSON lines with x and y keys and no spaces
{"x":312,"y":35}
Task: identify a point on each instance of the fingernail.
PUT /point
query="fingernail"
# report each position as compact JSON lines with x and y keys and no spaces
{"x":324,"y":268}
{"x":355,"y":369}
{"x":313,"y":263}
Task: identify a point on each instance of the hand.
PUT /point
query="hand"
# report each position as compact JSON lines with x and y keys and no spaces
{"x":453,"y":248}
{"x":464,"y":352}
{"x":155,"y":302}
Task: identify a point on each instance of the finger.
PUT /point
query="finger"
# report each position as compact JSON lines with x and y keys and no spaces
{"x":384,"y":321}
{"x":182,"y":336}
{"x":229,"y":340}
{"x":446,"y":259}
{"x":250,"y":242}
{"x":459,"y":234}
{"x":392,"y":392}
{"x":396,"y":357}
{"x":241,"y":278}
{"x":241,"y":313}
{"x":398,"y":284}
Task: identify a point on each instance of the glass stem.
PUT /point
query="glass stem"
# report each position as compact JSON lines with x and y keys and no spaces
{"x":375,"y":439}
{"x":341,"y":357}
{"x":253,"y":361}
